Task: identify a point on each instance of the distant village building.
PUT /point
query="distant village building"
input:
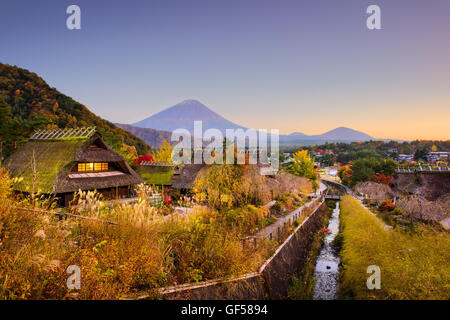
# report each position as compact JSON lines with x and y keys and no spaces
{"x":392,"y":150}
{"x":69,"y":160}
{"x":436,"y":156}
{"x":405,"y":157}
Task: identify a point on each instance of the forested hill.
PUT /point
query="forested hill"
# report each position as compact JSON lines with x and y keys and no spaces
{"x":28,"y":103}
{"x":154,"y":138}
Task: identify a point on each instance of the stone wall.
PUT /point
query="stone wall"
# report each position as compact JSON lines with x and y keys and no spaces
{"x":428,"y":185}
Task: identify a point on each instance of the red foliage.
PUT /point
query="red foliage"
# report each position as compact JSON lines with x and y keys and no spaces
{"x":345,"y":173}
{"x":387,"y":205}
{"x":381,"y":178}
{"x":139,"y":159}
{"x":167,"y":200}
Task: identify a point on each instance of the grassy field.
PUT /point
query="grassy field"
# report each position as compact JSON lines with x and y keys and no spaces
{"x":414,"y":265}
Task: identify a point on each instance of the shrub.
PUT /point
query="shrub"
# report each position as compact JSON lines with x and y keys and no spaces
{"x":337,"y":243}
{"x":387,"y":205}
{"x":145,"y":158}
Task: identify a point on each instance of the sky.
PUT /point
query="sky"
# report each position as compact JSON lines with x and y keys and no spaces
{"x":305,"y":66}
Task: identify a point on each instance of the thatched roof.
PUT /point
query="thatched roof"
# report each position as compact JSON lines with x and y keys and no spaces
{"x":56,"y":157}
{"x":187,"y":175}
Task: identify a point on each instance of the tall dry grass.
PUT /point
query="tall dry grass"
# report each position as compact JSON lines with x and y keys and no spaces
{"x":138,"y":250}
{"x":414,"y":265}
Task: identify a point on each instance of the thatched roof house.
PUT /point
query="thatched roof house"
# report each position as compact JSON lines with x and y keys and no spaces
{"x":186,"y":177}
{"x":188,"y":173}
{"x":69,"y":160}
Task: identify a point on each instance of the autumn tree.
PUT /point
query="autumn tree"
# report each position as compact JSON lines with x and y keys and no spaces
{"x":302,"y":165}
{"x":219,"y":185}
{"x":129,"y":153}
{"x":366,"y":169}
{"x":164,"y":153}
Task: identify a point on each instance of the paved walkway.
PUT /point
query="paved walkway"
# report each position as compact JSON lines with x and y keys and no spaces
{"x":272,"y":230}
{"x":319,"y":192}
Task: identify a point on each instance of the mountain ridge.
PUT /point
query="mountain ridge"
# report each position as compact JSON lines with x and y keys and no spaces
{"x":153,"y":137}
{"x":184,"y":113}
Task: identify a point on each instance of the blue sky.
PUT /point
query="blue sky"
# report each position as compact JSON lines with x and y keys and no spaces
{"x":304,"y":66}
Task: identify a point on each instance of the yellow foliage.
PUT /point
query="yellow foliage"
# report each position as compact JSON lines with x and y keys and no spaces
{"x":164,"y":153}
{"x":5,"y":184}
{"x":220,"y":185}
{"x":303,"y":166}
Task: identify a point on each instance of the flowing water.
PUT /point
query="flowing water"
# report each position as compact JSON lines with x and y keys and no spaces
{"x":326,"y":271}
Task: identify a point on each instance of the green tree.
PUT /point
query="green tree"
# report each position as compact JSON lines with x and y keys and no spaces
{"x":363,"y":169}
{"x":5,"y":118}
{"x":386,"y":167}
{"x":421,"y":154}
{"x":327,"y":159}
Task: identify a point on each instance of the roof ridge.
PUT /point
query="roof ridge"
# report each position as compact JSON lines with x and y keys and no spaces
{"x":63,"y":134}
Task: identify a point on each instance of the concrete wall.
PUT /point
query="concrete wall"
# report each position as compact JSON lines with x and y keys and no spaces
{"x":291,"y":255}
{"x":272,"y":279}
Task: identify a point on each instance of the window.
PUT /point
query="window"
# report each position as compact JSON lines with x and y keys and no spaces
{"x":93,"y":166}
{"x":100,"y":166}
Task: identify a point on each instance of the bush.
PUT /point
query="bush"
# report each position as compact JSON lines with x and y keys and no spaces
{"x":387,"y":205}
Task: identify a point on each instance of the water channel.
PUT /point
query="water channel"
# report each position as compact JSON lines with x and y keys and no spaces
{"x":326,"y":271}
